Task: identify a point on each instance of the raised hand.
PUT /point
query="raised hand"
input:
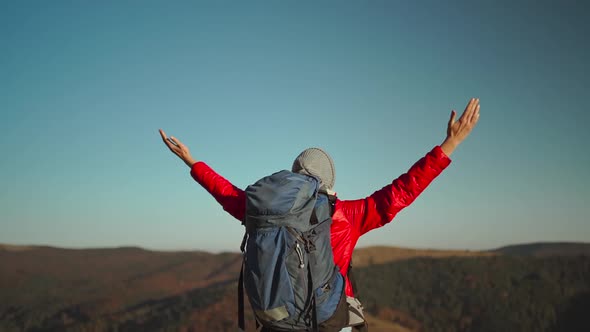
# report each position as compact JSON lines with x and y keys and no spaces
{"x":178,"y":148}
{"x":458,"y":130}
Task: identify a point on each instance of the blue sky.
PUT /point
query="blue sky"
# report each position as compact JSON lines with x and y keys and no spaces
{"x":85,"y":86}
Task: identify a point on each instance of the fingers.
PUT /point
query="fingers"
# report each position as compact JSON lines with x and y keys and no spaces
{"x":164,"y":138}
{"x":170,"y":140}
{"x":475,"y":114}
{"x":466,"y":111}
{"x":453,"y":116}
{"x":175,"y":140}
{"x":469,"y":110}
{"x":169,"y":144}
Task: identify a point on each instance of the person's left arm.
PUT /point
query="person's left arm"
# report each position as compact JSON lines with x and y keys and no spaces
{"x":383,"y":205}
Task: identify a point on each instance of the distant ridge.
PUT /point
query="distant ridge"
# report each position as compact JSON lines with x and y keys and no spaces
{"x":375,"y":254}
{"x":546,"y":249}
{"x":128,"y":248}
{"x":383,"y":254}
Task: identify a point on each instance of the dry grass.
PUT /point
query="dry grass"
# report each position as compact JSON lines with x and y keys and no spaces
{"x":381,"y":325}
{"x":9,"y":247}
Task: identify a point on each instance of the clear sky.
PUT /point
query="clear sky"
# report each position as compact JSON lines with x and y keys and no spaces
{"x":85,"y":86}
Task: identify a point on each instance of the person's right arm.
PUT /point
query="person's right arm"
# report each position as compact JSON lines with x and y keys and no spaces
{"x":231,"y":198}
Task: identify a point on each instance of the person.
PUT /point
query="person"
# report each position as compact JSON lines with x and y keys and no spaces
{"x":351,"y":218}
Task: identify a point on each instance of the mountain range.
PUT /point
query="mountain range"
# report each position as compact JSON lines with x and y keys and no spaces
{"x":132,"y":289}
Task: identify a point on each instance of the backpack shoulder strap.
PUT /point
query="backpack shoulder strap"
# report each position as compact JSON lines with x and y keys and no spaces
{"x":331,"y":202}
{"x":352,"y":279}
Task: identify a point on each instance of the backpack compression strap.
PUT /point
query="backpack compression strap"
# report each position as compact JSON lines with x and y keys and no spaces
{"x":314,"y":308}
{"x":241,"y":319}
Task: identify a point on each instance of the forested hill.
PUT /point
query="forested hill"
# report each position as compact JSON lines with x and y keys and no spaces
{"x":546,"y":249}
{"x":131,"y":289}
{"x":484,"y":294}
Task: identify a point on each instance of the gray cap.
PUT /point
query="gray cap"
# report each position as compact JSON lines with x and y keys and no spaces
{"x":316,"y":162}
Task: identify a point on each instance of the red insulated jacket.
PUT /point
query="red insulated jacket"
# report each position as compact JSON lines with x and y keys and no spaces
{"x":352,"y":218}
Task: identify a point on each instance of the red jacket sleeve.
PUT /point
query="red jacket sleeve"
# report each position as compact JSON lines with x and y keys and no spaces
{"x":231,"y":198}
{"x":382,"y":206}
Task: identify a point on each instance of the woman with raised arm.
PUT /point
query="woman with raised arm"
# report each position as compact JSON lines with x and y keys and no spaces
{"x":351,"y":218}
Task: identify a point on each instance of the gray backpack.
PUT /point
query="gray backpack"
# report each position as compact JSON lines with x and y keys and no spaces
{"x":288,"y":269}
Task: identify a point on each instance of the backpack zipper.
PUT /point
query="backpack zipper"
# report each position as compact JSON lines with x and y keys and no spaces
{"x":297,"y":246}
{"x":300,"y":254}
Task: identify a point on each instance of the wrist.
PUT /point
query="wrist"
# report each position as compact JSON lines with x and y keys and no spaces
{"x":449,"y":145}
{"x":190,"y":162}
